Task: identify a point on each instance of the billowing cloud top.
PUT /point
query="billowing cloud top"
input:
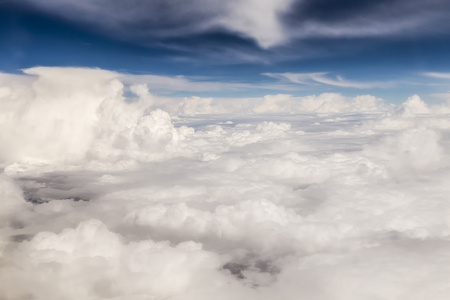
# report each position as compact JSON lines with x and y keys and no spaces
{"x":109,"y":192}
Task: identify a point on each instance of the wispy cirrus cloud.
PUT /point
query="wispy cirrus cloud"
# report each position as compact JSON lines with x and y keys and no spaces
{"x":183,"y":83}
{"x":180,"y":83}
{"x":441,"y":75}
{"x":323,"y":78}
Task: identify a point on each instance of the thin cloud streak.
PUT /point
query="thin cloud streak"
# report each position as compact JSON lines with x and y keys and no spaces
{"x":320,"y":78}
{"x":437,"y":75}
{"x":182,"y":83}
{"x":192,"y":84}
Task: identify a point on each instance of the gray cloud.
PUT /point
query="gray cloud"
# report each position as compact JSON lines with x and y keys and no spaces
{"x":140,"y":19}
{"x":269,"y":23}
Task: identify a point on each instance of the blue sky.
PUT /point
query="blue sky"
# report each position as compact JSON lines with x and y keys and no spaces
{"x":390,"y":49}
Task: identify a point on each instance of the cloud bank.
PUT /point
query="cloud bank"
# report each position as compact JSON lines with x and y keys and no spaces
{"x":110,"y":192}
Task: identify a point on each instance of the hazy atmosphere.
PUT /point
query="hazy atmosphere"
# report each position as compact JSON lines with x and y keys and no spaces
{"x":224,"y":149}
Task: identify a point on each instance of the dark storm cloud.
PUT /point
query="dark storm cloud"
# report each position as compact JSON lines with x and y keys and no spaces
{"x":135,"y":17}
{"x":331,"y":11}
{"x":264,"y":24}
{"x":366,"y":18}
{"x":167,"y":19}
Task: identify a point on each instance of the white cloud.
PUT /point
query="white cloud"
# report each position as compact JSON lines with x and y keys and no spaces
{"x":259,"y":19}
{"x":182,"y":83}
{"x":321,"y":78}
{"x":437,"y":75}
{"x":255,"y":198}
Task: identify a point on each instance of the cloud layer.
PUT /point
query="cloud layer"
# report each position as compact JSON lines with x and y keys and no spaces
{"x":269,"y":23}
{"x":109,"y":192}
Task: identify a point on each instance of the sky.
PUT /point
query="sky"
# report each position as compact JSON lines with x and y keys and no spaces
{"x":390,"y":49}
{"x":241,"y":149}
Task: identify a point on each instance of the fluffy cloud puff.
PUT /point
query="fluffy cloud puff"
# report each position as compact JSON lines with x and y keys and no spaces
{"x":110,"y":196}
{"x":73,"y":115}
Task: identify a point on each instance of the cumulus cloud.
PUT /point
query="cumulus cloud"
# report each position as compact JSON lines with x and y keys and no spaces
{"x":282,"y":103}
{"x":68,"y":118}
{"x":110,"y":192}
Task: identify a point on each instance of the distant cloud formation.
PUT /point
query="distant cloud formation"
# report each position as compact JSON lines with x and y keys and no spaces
{"x":269,"y":23}
{"x":183,"y":83}
{"x":322,"y":78}
{"x":110,"y":192}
